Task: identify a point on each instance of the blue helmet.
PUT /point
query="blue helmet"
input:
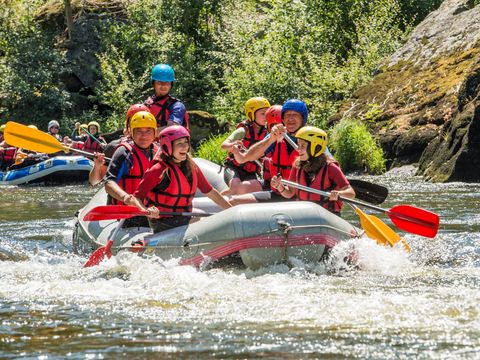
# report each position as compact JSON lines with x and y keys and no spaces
{"x":162,"y":72}
{"x":296,"y":105}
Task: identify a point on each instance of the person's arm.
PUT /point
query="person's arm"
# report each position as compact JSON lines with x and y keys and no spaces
{"x":218,"y":198}
{"x":206,"y":188}
{"x":177,"y":114}
{"x":99,"y":169}
{"x":284,"y":190}
{"x":234,"y":139}
{"x":343,"y":187}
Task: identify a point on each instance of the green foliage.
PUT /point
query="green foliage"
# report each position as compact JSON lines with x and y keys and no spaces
{"x":223,"y":53}
{"x":210,"y":149}
{"x":315,"y":50}
{"x":355,"y":148}
{"x":30,"y":70}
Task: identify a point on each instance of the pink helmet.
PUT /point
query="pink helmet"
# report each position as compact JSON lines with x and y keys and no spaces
{"x":169,"y":135}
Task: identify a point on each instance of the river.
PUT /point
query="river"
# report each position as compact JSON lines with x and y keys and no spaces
{"x":422,"y":305}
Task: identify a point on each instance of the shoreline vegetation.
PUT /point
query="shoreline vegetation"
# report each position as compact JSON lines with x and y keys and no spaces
{"x":223,"y":52}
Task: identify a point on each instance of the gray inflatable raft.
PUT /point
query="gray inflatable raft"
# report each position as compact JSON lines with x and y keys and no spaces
{"x":262,"y":234}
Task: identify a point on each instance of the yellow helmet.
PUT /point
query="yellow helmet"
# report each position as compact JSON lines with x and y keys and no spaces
{"x":94,"y":123}
{"x":32,"y":127}
{"x":2,"y":128}
{"x":84,"y":126}
{"x":317,"y":138}
{"x":143,"y":119}
{"x":254,"y":104}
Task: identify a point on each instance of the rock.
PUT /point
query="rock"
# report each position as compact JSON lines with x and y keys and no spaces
{"x":427,"y":93}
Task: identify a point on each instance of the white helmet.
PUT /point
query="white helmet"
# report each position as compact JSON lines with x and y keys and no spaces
{"x":53,"y":123}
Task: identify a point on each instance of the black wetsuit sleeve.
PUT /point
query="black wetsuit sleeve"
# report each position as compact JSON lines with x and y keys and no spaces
{"x":118,"y":158}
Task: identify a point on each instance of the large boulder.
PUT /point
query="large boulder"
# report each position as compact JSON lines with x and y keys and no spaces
{"x":426,"y":97}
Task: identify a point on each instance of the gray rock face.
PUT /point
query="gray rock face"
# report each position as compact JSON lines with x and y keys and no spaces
{"x":428,"y":94}
{"x":454,"y":27}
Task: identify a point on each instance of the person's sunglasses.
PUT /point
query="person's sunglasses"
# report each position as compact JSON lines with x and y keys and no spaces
{"x":54,"y":127}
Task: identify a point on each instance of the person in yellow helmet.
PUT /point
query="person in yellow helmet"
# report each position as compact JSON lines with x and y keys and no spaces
{"x":243,"y":178}
{"x":313,"y":168}
{"x":130,"y":161}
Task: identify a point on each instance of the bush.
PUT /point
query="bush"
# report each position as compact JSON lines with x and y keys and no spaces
{"x":355,"y":148}
{"x":210,"y":149}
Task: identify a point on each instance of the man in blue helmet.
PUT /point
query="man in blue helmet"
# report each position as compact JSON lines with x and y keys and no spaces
{"x":166,"y":109}
{"x":294,"y":116}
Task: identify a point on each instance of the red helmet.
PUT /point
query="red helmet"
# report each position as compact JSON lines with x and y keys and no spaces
{"x":132,"y":110}
{"x":274,"y":116}
{"x":169,"y":135}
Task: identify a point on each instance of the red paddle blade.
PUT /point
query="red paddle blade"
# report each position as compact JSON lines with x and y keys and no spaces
{"x":109,"y":212}
{"x":99,"y":254}
{"x":415,"y":220}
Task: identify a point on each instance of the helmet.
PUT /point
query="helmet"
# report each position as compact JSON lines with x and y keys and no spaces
{"x":274,"y":116}
{"x":53,"y":123}
{"x":34,"y":127}
{"x":254,"y":104}
{"x":316,"y":137}
{"x":162,"y":72}
{"x":143,"y":119}
{"x":298,"y":106}
{"x":132,"y":110}
{"x":94,"y":123}
{"x":84,"y":126}
{"x":2,"y":128}
{"x":169,"y":135}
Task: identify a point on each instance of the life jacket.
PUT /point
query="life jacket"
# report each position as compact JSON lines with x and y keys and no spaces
{"x":91,"y":145}
{"x":129,"y":181}
{"x":251,"y":137}
{"x":282,"y":161}
{"x":321,"y":181}
{"x":8,"y":155}
{"x":267,"y":174}
{"x":159,"y":107}
{"x":175,"y":192}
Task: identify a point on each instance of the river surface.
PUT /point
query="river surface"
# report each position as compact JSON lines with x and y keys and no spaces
{"x":422,"y":305}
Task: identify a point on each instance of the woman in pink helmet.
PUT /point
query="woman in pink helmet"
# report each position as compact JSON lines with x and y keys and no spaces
{"x":170,"y":184}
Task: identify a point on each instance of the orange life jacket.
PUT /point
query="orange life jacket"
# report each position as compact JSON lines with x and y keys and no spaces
{"x":175,"y":192}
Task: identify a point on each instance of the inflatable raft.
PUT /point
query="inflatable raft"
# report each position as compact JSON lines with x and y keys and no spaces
{"x":259,"y":234}
{"x":57,"y":170}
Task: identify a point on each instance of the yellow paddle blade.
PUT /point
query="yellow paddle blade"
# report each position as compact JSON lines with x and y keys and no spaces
{"x":376,"y":229}
{"x":22,"y":136}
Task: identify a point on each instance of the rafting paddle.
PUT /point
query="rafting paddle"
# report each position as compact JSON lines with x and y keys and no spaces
{"x":110,"y":212}
{"x":364,"y":190}
{"x":24,"y":137}
{"x":99,"y":254}
{"x":407,"y":217}
{"x":376,"y":229}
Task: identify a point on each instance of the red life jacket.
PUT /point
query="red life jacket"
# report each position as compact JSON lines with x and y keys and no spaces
{"x":267,"y":174}
{"x":91,"y":145}
{"x":175,"y":192}
{"x":8,"y":154}
{"x":129,"y":182}
{"x":251,"y":137}
{"x":282,"y":161}
{"x":321,"y":181}
{"x":160,"y":109}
